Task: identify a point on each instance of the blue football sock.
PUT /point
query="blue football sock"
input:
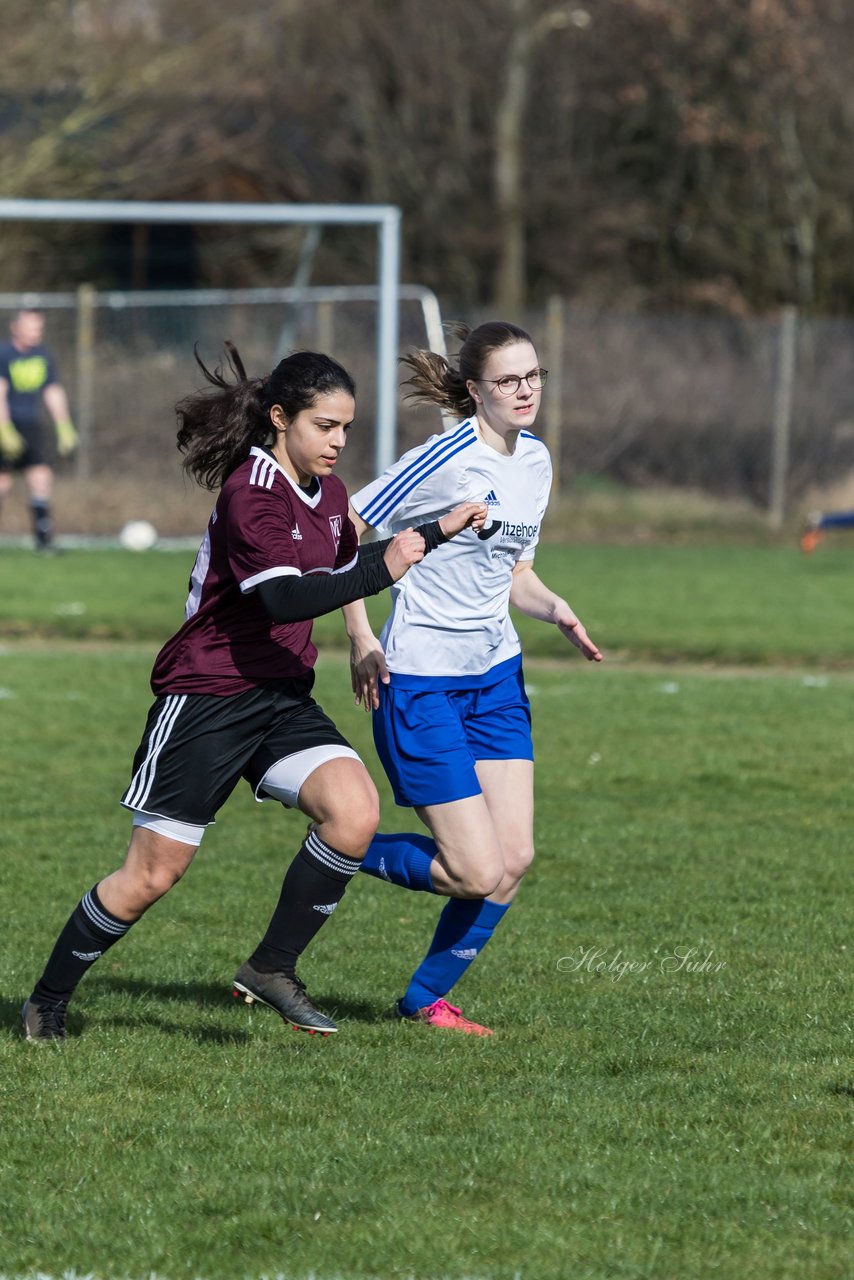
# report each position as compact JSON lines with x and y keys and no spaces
{"x":402,"y":859}
{"x":465,"y":926}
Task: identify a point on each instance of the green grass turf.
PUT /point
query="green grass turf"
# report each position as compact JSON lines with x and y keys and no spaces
{"x":716,"y":603}
{"x":656,"y":1121}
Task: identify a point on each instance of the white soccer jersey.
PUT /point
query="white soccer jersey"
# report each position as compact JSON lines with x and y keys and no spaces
{"x":450,"y":612}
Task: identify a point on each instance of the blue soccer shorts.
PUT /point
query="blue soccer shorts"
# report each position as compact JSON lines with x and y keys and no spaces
{"x":429,"y":732}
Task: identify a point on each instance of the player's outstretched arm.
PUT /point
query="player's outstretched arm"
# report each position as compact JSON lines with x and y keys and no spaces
{"x":297,"y":597}
{"x":368,"y":667}
{"x":468,"y":515}
{"x":530,"y":595}
{"x":402,"y":551}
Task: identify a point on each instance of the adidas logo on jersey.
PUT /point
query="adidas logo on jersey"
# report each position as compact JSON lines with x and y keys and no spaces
{"x":295,"y":534}
{"x":326,"y":909}
{"x":491,"y":500}
{"x":465,"y":953}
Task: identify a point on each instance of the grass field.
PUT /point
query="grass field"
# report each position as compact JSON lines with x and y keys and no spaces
{"x":669,"y":1093}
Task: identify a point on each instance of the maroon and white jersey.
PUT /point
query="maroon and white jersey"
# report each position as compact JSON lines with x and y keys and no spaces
{"x":263,"y":526}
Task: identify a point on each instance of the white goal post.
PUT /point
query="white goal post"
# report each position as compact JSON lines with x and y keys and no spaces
{"x":386,"y":218}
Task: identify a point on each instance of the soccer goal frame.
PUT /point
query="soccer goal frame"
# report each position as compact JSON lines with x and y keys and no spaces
{"x":386,"y":218}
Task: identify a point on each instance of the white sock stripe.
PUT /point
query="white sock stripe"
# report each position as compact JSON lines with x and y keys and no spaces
{"x":319,"y":846}
{"x":141,"y":783}
{"x":342,"y":866}
{"x":316,"y":845}
{"x":329,"y":858}
{"x":107,"y":924}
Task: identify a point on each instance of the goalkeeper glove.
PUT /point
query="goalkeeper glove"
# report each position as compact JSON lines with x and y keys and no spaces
{"x":66,"y":437}
{"x":11,"y":442}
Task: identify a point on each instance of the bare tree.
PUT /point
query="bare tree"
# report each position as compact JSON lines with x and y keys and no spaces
{"x":528,"y":26}
{"x":650,"y":152}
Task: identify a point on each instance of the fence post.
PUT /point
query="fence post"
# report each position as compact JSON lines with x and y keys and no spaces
{"x":85,"y":378}
{"x":554,"y":400}
{"x":782,"y":424}
{"x":325,"y":322}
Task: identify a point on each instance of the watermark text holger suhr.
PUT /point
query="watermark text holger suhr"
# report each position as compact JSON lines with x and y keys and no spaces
{"x":610,"y":963}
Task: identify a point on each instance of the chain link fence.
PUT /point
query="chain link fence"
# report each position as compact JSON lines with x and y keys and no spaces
{"x":758,"y":409}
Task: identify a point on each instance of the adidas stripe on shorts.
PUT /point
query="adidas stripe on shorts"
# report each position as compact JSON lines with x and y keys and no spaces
{"x":197,"y":747}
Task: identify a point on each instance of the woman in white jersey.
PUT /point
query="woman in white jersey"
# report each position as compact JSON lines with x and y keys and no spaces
{"x":452,"y":722}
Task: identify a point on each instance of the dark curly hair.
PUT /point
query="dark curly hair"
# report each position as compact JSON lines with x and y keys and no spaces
{"x":216,"y":428}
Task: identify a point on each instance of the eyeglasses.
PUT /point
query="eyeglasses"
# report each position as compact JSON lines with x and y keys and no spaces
{"x":511,"y":382}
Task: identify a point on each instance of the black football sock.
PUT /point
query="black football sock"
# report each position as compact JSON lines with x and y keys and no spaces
{"x":42,"y":523}
{"x":314,"y":884}
{"x":90,"y":931}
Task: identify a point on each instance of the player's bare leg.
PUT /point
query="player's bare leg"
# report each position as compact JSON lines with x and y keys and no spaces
{"x":484,"y":842}
{"x":469,"y":862}
{"x":102,"y":917}
{"x":39,"y":482}
{"x":508,"y":789}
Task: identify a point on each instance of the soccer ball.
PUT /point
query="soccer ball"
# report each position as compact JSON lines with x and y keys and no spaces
{"x":138,"y":535}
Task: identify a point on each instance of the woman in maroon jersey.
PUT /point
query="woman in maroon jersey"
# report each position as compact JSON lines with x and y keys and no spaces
{"x":233,"y":685}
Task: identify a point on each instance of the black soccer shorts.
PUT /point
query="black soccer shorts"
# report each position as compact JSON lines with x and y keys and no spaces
{"x":36,"y":452}
{"x":197,"y":747}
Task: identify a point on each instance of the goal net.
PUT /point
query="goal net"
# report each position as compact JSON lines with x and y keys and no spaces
{"x":126,"y":358}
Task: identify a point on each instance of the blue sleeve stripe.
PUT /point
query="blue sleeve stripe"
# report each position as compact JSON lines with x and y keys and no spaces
{"x":423,"y":465}
{"x":388,"y":498}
